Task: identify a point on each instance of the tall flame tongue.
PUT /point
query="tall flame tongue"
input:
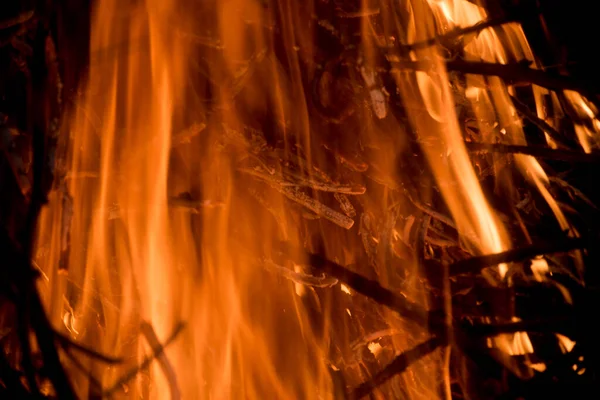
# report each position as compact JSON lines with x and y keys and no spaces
{"x":148,"y":233}
{"x":137,"y":261}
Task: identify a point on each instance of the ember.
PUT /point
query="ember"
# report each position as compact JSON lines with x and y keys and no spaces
{"x":272,"y":199}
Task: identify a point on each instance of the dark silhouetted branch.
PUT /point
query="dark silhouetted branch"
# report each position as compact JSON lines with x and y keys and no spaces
{"x":458,"y":32}
{"x":511,"y":74}
{"x":474,"y":265}
{"x":397,"y":366}
{"x":156,"y":352}
{"x":536,"y":151}
{"x":164,"y":362}
{"x":371,"y":289}
{"x":534,"y":119}
{"x":68,"y":343}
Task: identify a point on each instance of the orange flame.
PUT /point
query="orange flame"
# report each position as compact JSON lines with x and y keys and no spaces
{"x":176,"y":199}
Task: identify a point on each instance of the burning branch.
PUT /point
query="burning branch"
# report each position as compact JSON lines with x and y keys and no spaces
{"x":533,"y":118}
{"x":399,"y":365}
{"x":67,"y":344}
{"x":165,"y":365}
{"x":511,"y":74}
{"x":536,"y":151}
{"x":460,"y":33}
{"x":303,"y":279}
{"x":371,"y":289}
{"x":315,"y":206}
{"x":157,"y":351}
{"x":474,"y":265}
{"x":304,"y":182}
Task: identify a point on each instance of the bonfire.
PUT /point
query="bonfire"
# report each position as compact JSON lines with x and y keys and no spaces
{"x":256,"y":199}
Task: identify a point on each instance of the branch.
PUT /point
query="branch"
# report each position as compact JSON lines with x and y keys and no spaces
{"x":67,"y":343}
{"x":458,"y":32}
{"x":474,"y":265}
{"x":511,"y":74}
{"x":373,"y":290}
{"x":157,"y":351}
{"x":397,"y":366}
{"x":536,"y":151}
{"x":165,"y":365}
{"x":534,"y":119}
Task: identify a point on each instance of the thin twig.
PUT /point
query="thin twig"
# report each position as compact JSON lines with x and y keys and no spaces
{"x":511,"y":74}
{"x":534,"y":119}
{"x":156,"y":352}
{"x":474,"y":265}
{"x":84,"y":370}
{"x":458,"y":32}
{"x":345,"y":204}
{"x":372,"y":289}
{"x":573,"y":191}
{"x":66,"y":342}
{"x":397,"y":366}
{"x":305,"y":182}
{"x":431,"y":212}
{"x":536,"y":151}
{"x":441,"y":242}
{"x":316,"y":206}
{"x":163,"y":361}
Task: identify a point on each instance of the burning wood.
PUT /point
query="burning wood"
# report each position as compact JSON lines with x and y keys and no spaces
{"x":415,"y":171}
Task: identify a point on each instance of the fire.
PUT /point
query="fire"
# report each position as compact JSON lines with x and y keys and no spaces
{"x":135,"y":260}
{"x":192,"y":156}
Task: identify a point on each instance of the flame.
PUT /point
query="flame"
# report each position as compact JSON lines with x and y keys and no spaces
{"x":135,"y":260}
{"x":176,"y":197}
{"x":443,"y":137}
{"x":440,"y":132}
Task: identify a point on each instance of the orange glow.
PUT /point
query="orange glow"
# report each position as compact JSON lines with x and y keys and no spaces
{"x":135,"y":260}
{"x":177,"y":196}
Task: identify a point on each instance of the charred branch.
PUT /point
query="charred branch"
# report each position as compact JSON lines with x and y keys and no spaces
{"x":459,"y":33}
{"x":299,"y":277}
{"x":511,"y":74}
{"x":157,"y":350}
{"x":474,"y":265}
{"x":68,"y":344}
{"x":163,"y":361}
{"x":260,"y":150}
{"x":400,"y":364}
{"x":534,"y":119}
{"x":535,"y":151}
{"x":373,"y":290}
